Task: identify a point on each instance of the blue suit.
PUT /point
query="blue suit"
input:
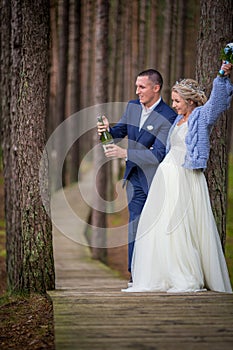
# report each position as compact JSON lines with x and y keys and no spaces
{"x":146,"y":149}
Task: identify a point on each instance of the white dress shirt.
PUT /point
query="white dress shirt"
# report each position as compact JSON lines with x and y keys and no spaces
{"x":146,"y":111}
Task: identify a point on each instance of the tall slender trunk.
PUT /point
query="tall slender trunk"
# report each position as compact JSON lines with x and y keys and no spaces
{"x":101,"y":96}
{"x":63,"y":33}
{"x":166,"y":52}
{"x":73,"y":97}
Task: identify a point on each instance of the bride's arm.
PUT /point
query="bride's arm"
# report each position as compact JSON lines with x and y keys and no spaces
{"x":220,"y":96}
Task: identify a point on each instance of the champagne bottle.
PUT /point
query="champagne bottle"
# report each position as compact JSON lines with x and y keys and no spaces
{"x":106,"y":138}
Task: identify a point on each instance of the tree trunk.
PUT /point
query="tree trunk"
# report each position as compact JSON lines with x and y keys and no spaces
{"x":230,"y":131}
{"x":63,"y":40}
{"x":51,"y":118}
{"x":142,"y":35}
{"x":179,"y":47}
{"x":118,"y":91}
{"x":135,"y":44}
{"x":214,"y":35}
{"x":191,"y":26}
{"x":30,"y":266}
{"x":73,"y":101}
{"x":87,"y":65}
{"x":87,"y":44}
{"x":60,"y":108}
{"x":153,"y":37}
{"x":101,"y":96}
{"x":12,"y":212}
{"x":165,"y":56}
{"x":127,"y":47}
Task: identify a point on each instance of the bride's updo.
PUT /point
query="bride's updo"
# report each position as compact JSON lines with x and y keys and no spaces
{"x":189,"y":89}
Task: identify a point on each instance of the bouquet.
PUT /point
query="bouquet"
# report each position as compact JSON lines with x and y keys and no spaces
{"x":226,"y":56}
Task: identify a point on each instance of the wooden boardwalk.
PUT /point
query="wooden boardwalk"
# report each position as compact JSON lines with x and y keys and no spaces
{"x":91,"y":312}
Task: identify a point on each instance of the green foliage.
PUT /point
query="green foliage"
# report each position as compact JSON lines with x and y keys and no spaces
{"x":227,"y":54}
{"x":229,"y":239}
{"x":3,"y":253}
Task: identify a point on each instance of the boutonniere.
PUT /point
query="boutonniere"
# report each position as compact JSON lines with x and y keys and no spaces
{"x":150,"y":127}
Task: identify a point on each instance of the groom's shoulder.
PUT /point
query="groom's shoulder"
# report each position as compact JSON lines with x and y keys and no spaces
{"x":166,"y":110}
{"x":136,"y":102}
{"x":165,"y":106}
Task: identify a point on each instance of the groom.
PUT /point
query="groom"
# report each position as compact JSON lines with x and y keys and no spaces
{"x":146,"y":123}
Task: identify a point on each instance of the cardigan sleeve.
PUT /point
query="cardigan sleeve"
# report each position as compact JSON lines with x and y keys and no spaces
{"x":219,"y":100}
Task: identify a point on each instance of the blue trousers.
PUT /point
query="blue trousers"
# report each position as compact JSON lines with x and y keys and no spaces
{"x":136,"y":200}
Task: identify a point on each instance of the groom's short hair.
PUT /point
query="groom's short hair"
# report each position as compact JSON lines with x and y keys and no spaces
{"x":153,"y":75}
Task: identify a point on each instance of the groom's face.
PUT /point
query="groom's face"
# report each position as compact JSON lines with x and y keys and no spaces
{"x":147,"y":91}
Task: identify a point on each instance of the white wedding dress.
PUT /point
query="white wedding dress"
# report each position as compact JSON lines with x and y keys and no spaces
{"x":177,"y":247}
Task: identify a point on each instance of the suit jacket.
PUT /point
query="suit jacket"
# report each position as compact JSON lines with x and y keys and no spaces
{"x":146,"y":148}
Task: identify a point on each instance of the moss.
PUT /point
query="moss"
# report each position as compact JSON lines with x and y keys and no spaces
{"x":3,"y":253}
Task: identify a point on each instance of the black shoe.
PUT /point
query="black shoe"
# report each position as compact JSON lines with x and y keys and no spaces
{"x":130,"y":283}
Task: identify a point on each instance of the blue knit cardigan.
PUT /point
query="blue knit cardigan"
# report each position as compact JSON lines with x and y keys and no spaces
{"x":200,"y":123}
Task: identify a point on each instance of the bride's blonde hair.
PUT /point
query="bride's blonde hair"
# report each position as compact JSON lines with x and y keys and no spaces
{"x":189,"y":89}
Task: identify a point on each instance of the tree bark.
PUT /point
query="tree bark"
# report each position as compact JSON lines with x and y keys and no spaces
{"x":191,"y":27}
{"x":60,"y":103}
{"x":87,"y":66}
{"x":153,"y":37}
{"x":127,"y":48}
{"x":51,"y":118}
{"x":179,"y":61}
{"x":166,"y":54}
{"x":101,"y":96}
{"x":142,"y":35}
{"x":135,"y":43}
{"x":214,"y":33}
{"x":30,"y":266}
{"x":73,"y":97}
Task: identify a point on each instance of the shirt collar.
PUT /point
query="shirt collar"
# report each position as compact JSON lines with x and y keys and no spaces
{"x":151,"y":108}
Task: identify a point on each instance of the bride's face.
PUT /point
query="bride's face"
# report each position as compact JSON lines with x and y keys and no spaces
{"x":180,"y":105}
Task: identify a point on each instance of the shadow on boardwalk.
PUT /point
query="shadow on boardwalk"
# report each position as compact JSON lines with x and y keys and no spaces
{"x":91,"y":312}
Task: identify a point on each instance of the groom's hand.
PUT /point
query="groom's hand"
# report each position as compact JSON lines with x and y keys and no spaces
{"x":101,"y":127}
{"x":115,"y":151}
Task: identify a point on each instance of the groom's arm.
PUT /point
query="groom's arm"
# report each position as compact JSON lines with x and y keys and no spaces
{"x":144,"y":155}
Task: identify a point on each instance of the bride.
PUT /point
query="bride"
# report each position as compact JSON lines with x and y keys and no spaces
{"x":177,"y":247}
